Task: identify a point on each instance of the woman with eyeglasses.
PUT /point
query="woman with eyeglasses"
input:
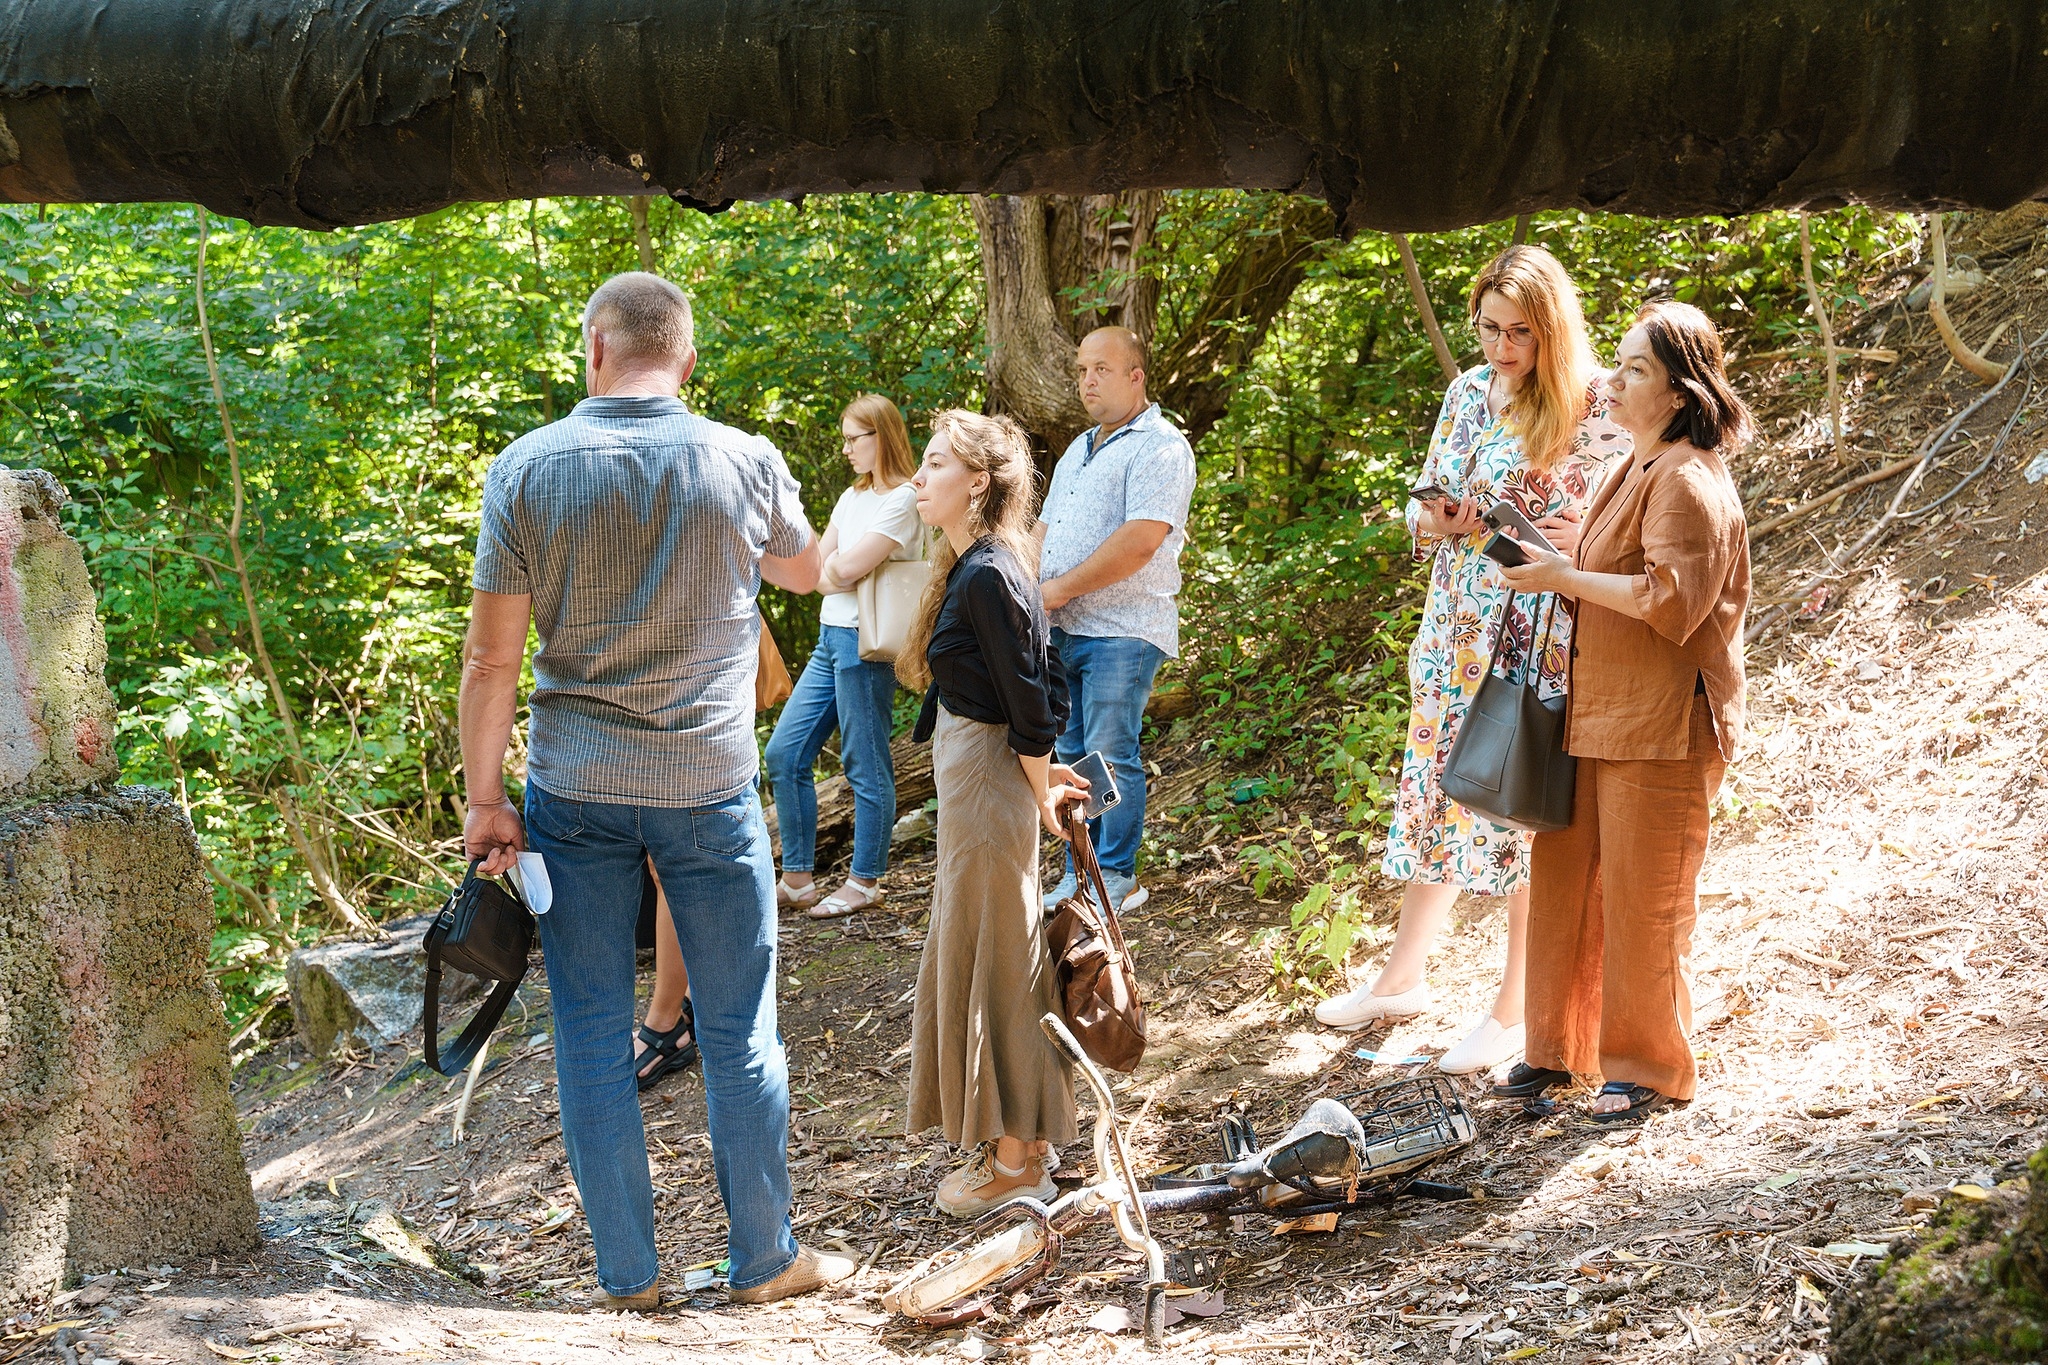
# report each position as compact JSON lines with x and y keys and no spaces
{"x":875,"y":520}
{"x":1528,"y":425}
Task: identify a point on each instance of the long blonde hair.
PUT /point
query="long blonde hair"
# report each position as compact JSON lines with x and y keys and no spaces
{"x":893,"y":458}
{"x":1547,"y":413}
{"x":997,"y":447}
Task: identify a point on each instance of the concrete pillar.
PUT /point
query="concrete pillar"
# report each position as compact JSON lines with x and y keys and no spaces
{"x":118,"y":1142}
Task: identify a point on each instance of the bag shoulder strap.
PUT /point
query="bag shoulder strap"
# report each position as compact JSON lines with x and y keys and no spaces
{"x":1084,"y":858}
{"x":479,"y":1029}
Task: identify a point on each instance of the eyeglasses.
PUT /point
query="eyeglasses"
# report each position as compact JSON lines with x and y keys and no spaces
{"x":846,"y":442}
{"x":1517,"y":337}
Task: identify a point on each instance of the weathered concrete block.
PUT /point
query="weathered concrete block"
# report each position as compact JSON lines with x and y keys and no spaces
{"x":368,"y":991}
{"x":118,"y":1143}
{"x":56,"y":714}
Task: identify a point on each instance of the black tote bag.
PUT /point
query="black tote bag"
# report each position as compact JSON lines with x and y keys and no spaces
{"x":1508,"y":762}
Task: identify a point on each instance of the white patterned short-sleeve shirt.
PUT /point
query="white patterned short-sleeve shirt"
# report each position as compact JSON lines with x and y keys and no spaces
{"x":1145,"y":471}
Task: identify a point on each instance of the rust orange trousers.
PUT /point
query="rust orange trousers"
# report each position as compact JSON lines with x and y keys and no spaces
{"x":1611,"y":908}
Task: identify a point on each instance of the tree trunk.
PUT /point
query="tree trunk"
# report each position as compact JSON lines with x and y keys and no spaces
{"x":1194,"y":370}
{"x":1057,"y":268}
{"x":1973,"y":1286}
{"x":1030,"y":335}
{"x":1400,"y":115}
{"x":643,"y":236}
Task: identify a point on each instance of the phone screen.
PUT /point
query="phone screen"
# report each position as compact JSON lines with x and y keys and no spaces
{"x":1102,"y":793}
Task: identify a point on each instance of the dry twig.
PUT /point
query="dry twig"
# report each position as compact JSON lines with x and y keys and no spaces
{"x":1937,"y":309}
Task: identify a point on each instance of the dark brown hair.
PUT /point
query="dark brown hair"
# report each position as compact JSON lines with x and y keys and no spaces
{"x":1688,"y":346}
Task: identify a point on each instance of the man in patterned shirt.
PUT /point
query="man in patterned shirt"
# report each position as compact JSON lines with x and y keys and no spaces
{"x":634,"y":535}
{"x":1113,"y":522}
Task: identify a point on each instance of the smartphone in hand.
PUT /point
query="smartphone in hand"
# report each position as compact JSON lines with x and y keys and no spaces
{"x":1506,"y":519}
{"x":1430,"y":492}
{"x":1102,"y":793}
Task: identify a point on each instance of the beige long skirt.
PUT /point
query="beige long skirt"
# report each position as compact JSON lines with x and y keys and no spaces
{"x":979,"y":1066}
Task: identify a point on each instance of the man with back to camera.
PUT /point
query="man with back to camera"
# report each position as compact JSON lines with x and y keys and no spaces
{"x":635,"y":536}
{"x":1113,"y":523}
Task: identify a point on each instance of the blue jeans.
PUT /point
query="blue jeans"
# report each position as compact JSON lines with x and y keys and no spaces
{"x":837,"y":690}
{"x":714,"y":863}
{"x":1109,"y":679}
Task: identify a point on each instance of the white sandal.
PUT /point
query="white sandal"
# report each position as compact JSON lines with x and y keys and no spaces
{"x":842,"y":902}
{"x":789,"y":897}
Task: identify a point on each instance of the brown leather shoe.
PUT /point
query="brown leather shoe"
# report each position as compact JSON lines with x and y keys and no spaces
{"x":646,"y":1301}
{"x":810,"y":1270}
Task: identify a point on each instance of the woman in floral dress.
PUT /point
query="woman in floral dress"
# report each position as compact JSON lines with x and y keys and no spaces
{"x":1529,"y":425}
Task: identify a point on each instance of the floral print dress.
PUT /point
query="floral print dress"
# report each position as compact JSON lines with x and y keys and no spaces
{"x":1473,"y":453}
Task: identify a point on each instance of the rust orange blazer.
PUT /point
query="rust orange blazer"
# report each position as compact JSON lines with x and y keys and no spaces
{"x":1673,"y":522}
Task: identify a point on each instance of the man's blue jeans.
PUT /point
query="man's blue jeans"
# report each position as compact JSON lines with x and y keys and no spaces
{"x":1109,"y":679}
{"x":836,"y":689}
{"x":714,"y":864}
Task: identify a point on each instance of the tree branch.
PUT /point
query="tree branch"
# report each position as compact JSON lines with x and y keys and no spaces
{"x":323,"y":876}
{"x":1422,"y":305}
{"x":1937,"y":308}
{"x":1827,"y":336}
{"x":1193,"y":371}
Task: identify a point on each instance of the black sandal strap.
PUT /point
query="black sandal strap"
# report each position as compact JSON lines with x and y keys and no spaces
{"x":666,"y":1044}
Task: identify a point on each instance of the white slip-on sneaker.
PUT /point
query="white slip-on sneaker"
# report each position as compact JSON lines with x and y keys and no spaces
{"x":1485,"y":1047}
{"x":1356,"y":1009}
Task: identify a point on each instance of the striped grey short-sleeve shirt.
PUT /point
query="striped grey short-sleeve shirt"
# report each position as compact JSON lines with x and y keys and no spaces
{"x":638,"y":529}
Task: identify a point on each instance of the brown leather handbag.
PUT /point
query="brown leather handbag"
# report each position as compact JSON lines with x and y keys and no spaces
{"x":771,"y":680}
{"x":1095,"y":985}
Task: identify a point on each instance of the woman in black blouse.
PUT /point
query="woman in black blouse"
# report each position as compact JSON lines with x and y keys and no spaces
{"x":979,"y":1067}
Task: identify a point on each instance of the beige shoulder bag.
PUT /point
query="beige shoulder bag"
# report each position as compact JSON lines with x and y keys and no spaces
{"x":887,"y":600}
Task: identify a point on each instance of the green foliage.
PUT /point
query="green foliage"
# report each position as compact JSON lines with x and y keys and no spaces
{"x":373,"y":374}
{"x":1322,"y":927}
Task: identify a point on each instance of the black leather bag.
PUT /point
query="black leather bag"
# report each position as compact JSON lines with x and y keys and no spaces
{"x":486,"y":930}
{"x":1508,"y":762}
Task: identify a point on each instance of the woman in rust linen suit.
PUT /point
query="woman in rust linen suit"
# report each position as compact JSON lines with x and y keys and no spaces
{"x":1661,"y":577}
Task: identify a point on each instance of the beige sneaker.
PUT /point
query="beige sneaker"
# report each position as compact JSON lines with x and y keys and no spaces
{"x":646,"y":1301}
{"x":810,"y":1270}
{"x":976,"y":1188}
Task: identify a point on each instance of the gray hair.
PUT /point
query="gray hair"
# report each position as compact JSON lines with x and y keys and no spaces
{"x":643,"y":317}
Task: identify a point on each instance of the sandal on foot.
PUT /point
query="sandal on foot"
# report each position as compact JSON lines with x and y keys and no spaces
{"x":1527,"y":1082}
{"x":849,"y":899}
{"x":789,"y":897}
{"x":1642,"y":1101}
{"x":664,"y":1051}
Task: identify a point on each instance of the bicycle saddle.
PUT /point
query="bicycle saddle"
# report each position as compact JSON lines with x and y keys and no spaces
{"x":1325,"y":1144}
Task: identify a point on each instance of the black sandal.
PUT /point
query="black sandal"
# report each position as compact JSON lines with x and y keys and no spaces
{"x":1642,"y":1102}
{"x":664,"y":1051}
{"x":1526,"y":1082}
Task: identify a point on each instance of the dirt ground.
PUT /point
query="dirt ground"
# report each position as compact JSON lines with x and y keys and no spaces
{"x":1871,"y":961}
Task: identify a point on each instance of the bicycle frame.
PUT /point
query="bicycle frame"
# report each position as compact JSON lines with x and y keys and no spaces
{"x":954,"y":1285}
{"x":1409,"y":1125}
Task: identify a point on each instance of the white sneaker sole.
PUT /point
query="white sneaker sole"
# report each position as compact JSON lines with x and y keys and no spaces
{"x":1459,"y":1062}
{"x":1388,"y":1008}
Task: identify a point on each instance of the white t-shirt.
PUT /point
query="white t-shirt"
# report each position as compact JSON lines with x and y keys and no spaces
{"x":861,"y":510}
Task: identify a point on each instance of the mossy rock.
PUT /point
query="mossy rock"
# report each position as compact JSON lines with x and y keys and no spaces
{"x":1973,"y":1287}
